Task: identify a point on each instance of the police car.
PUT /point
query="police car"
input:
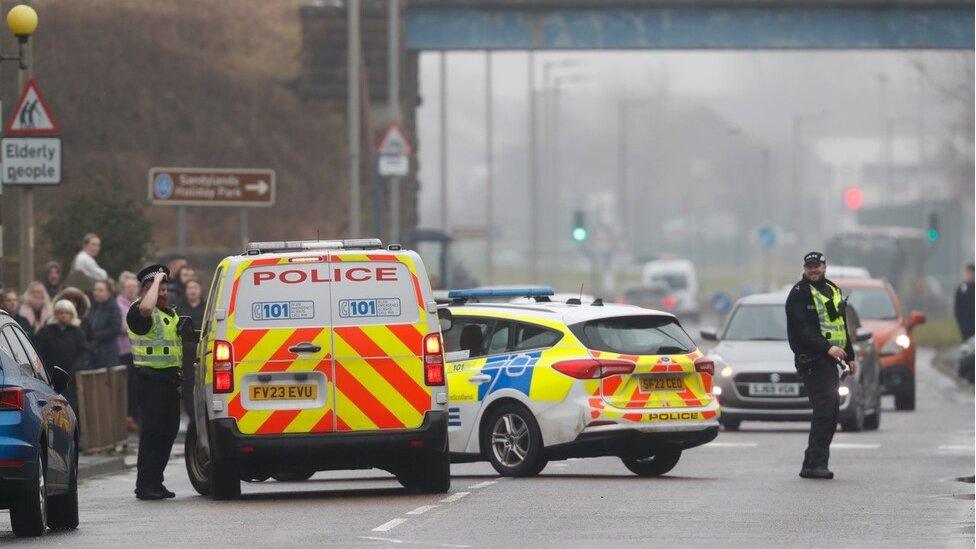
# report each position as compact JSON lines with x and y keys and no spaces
{"x":318,"y":355}
{"x":534,"y":382}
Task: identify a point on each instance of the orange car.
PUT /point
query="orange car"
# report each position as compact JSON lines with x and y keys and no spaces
{"x":881,"y":312}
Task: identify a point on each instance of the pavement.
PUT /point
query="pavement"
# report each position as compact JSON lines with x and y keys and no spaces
{"x":895,"y":487}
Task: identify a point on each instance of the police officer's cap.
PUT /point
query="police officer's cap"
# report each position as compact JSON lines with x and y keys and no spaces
{"x":814,"y":258}
{"x":146,"y":275}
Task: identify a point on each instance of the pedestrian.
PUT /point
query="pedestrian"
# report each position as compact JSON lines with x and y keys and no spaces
{"x":36,"y":306}
{"x":965,"y":305}
{"x":77,"y":298}
{"x":104,"y":323}
{"x":157,"y":351}
{"x":84,"y":268}
{"x":52,"y":278}
{"x":190,"y":306}
{"x":175,"y":264}
{"x":62,"y":343}
{"x":128,"y":292}
{"x":816,"y":326}
{"x":9,"y":303}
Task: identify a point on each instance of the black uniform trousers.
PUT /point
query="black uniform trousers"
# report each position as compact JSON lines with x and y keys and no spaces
{"x":821,"y":379}
{"x":159,"y":422}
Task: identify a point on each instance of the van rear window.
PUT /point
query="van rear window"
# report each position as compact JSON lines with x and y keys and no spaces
{"x":634,"y":335}
{"x":321,"y":294}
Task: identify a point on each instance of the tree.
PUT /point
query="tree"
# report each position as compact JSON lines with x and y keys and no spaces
{"x":100,"y":209}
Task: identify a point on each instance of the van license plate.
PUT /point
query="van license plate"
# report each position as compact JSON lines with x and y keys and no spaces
{"x":305,"y":391}
{"x":651,"y":384}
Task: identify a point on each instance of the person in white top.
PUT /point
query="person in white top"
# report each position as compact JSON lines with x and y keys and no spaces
{"x":85,"y":262}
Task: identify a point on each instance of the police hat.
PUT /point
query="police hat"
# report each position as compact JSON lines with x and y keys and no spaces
{"x":814,"y":258}
{"x":146,"y":275}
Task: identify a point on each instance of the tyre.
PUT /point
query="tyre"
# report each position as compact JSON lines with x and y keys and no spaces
{"x":28,"y":517}
{"x":513,"y":442}
{"x":906,"y":399}
{"x":873,"y":421}
{"x":430,"y":476}
{"x":654,"y":465}
{"x":225,"y":481}
{"x":197,"y":462}
{"x":62,"y":510}
{"x":293,"y":476}
{"x":857,"y":418}
{"x":730,"y":424}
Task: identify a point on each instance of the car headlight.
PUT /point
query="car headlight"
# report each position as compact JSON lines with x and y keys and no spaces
{"x":843,"y":390}
{"x":727,"y":371}
{"x":903,"y":341}
{"x":716,"y":390}
{"x":896,"y":345}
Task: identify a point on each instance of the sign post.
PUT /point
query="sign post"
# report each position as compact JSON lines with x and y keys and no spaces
{"x":224,"y":187}
{"x":394,"y":152}
{"x":30,"y":154}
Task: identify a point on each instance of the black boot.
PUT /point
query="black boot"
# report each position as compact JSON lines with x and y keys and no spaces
{"x":817,"y":473}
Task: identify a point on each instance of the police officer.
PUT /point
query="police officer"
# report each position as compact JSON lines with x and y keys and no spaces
{"x":157,"y":352}
{"x":817,"y":330}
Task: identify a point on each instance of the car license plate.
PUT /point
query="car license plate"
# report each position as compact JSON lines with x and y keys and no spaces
{"x":774,"y":389}
{"x":651,"y":384}
{"x":305,"y":391}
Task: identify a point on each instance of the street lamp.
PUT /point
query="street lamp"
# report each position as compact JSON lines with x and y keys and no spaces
{"x":22,"y":22}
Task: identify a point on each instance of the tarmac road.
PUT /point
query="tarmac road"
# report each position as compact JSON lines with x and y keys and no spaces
{"x":894,"y":487}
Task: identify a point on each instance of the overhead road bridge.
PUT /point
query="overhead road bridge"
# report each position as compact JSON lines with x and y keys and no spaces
{"x":688,"y":24}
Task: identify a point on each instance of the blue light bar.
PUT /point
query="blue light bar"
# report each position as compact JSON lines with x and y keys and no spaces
{"x":481,"y":293}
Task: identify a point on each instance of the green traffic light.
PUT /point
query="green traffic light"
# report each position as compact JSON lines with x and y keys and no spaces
{"x":579,"y":234}
{"x":933,"y":235}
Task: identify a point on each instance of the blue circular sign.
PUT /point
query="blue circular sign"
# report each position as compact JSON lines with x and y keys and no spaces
{"x":766,"y":237}
{"x":721,"y":303}
{"x":163,"y":185}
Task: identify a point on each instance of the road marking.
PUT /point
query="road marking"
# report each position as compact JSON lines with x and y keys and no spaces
{"x":375,"y":538}
{"x":484,"y":484}
{"x":400,"y":541}
{"x":957,"y":447}
{"x":731,"y":445}
{"x":387,"y":526}
{"x":421,"y":510}
{"x":454,"y":497}
{"x":854,"y":446}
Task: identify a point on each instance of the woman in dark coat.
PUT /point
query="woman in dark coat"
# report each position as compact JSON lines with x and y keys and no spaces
{"x":103,"y":323}
{"x":62,"y":343}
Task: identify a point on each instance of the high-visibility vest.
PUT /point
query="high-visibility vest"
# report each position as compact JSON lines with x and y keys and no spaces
{"x":161,"y":346}
{"x":833,"y":329}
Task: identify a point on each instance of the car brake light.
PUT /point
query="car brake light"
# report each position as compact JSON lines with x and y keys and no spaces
{"x":12,"y":398}
{"x":590,"y":368}
{"x":433,"y":360}
{"x":669,"y":302}
{"x":223,"y":367}
{"x":705,"y":366}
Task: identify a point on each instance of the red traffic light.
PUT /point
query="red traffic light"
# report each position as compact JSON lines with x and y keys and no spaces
{"x":853,"y":198}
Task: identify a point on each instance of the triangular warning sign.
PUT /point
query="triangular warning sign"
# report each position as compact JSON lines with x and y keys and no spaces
{"x":32,"y":117}
{"x":394,"y":142}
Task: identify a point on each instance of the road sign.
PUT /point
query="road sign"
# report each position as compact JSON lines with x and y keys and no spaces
{"x":211,"y":187}
{"x":766,"y":237}
{"x":31,"y":160}
{"x":394,"y":166}
{"x":31,"y":117}
{"x":721,"y":302}
{"x":394,"y":142}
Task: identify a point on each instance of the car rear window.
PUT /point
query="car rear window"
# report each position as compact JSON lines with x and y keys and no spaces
{"x":635,"y":335}
{"x":294,"y":295}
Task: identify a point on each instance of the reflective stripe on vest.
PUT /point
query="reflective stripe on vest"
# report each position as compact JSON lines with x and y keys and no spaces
{"x":161,"y":347}
{"x":834,"y":330}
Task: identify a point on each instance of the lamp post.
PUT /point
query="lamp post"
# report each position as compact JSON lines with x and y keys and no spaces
{"x":22,"y":22}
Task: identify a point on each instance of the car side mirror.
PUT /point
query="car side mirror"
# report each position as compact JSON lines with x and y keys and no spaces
{"x":863,"y":334}
{"x":916,"y":318}
{"x":446,"y":318}
{"x":60,"y":379}
{"x":709,"y":333}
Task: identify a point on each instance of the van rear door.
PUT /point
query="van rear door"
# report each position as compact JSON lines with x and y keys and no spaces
{"x":380,"y":322}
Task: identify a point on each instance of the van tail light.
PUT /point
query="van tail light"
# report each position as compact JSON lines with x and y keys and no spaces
{"x":669,"y":302}
{"x":223,"y":367}
{"x":591,"y":368}
{"x":705,"y":366}
{"x":11,"y":398}
{"x":433,"y":360}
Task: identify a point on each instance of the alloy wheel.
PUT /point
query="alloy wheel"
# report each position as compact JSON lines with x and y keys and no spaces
{"x":510,"y":440}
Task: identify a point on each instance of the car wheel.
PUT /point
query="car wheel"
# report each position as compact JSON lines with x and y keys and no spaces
{"x":856,"y":420}
{"x":293,"y":476}
{"x":197,"y":462}
{"x":225,"y":480}
{"x":513,"y":442}
{"x":62,"y":510}
{"x":28,"y":517}
{"x":730,"y":424}
{"x":653,"y":465}
{"x":906,"y":399}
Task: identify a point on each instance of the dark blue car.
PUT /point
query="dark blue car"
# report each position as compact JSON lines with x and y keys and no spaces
{"x":38,"y":439}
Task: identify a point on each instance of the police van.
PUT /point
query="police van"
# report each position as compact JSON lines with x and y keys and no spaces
{"x":318,"y":355}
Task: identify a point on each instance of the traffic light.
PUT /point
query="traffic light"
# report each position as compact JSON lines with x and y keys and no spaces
{"x":579,"y":226}
{"x":853,"y":198}
{"x":933,"y":232}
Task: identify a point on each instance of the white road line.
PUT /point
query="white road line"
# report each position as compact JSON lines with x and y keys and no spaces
{"x":484,"y":484}
{"x":387,"y":526}
{"x":454,"y":497}
{"x":421,"y":510}
{"x":956,"y":447}
{"x":853,"y":446}
{"x":399,"y":541}
{"x":375,"y":538}
{"x":731,"y":445}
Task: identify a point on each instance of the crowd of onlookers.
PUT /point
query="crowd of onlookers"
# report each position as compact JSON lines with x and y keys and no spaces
{"x":77,"y":322}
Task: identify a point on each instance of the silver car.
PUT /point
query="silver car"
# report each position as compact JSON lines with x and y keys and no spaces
{"x":755,"y":378}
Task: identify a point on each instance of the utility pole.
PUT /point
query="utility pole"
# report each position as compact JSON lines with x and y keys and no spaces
{"x":489,"y":174}
{"x":27,"y":191}
{"x":393,"y":99}
{"x":353,"y":113}
{"x":443,"y":143}
{"x":533,"y":176}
